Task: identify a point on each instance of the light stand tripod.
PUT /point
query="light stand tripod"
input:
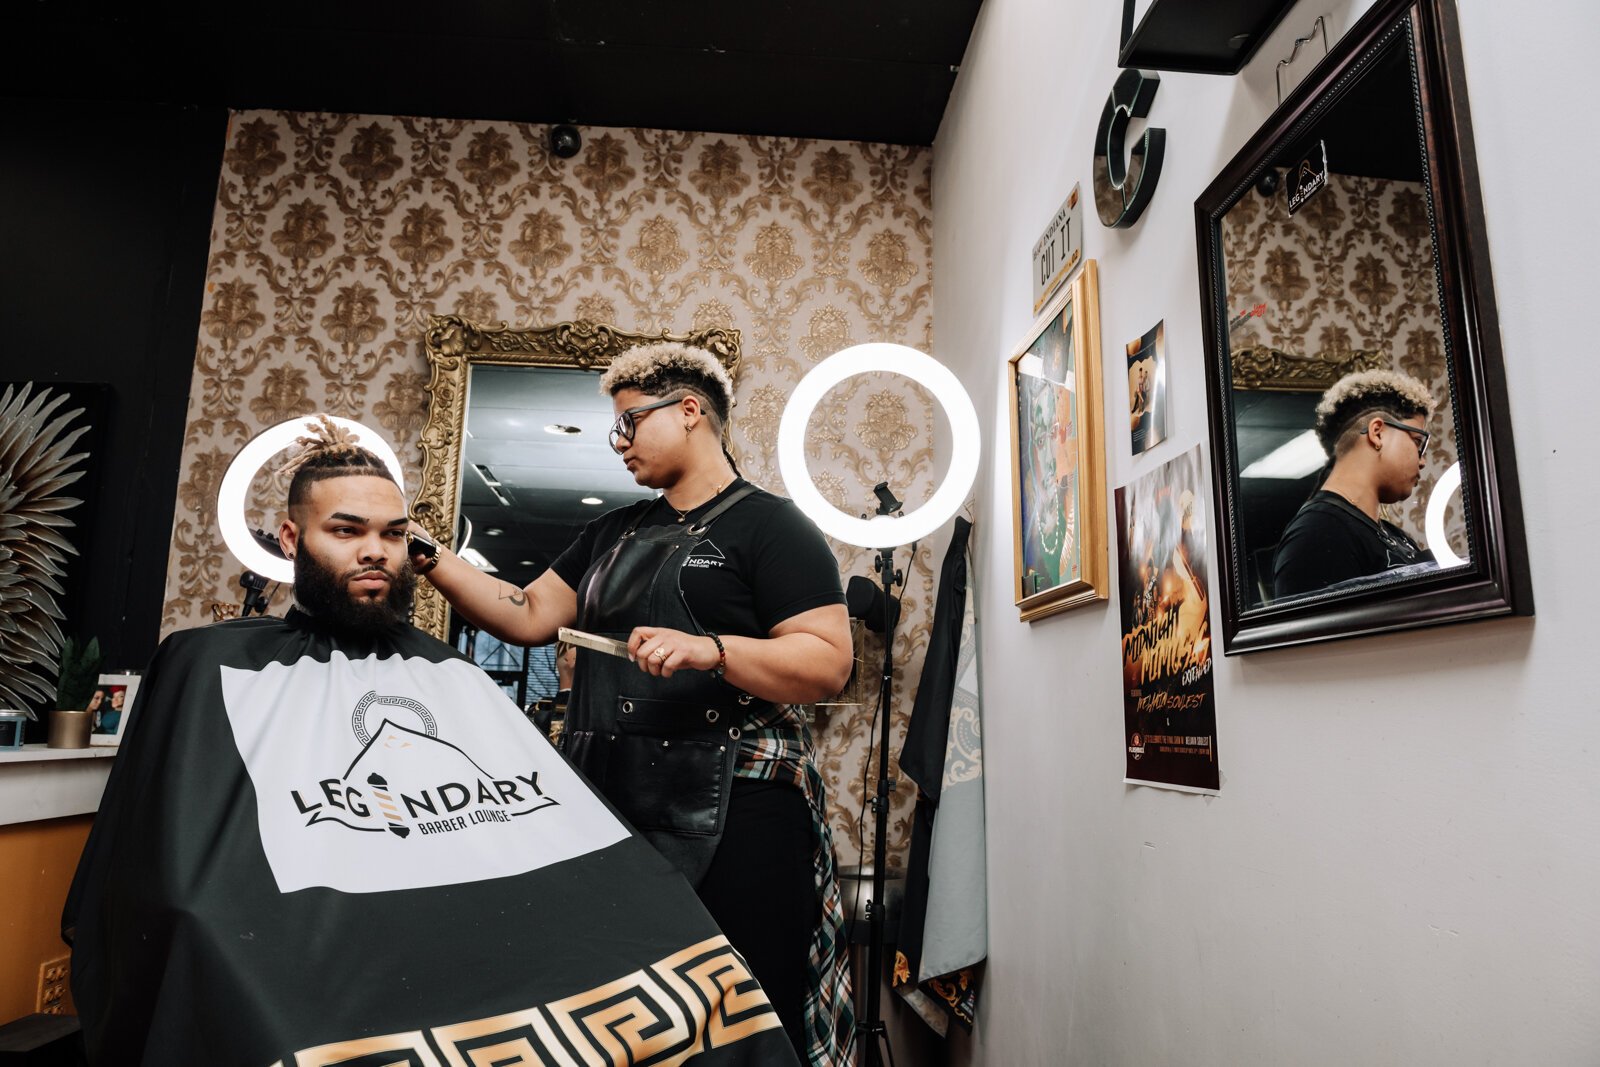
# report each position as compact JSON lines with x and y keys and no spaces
{"x":870,"y":1028}
{"x":966,"y":444}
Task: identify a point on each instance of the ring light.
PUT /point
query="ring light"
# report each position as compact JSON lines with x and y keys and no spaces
{"x":1449,"y":482}
{"x":882,"y":530}
{"x":242,"y":471}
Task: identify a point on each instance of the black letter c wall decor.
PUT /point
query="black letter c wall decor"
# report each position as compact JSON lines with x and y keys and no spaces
{"x":1122,"y":189}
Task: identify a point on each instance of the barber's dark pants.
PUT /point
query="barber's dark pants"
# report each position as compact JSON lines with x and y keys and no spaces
{"x":761,"y":891}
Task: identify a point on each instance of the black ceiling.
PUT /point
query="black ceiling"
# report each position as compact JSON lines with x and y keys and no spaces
{"x":833,"y":69}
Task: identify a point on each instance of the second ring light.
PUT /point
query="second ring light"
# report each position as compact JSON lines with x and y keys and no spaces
{"x":881,"y":531}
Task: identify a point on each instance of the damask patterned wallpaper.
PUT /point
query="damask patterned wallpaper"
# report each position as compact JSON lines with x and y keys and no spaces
{"x":1353,"y":269}
{"x":337,"y":236}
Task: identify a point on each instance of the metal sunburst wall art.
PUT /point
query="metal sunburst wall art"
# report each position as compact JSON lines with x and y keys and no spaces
{"x":35,"y":466}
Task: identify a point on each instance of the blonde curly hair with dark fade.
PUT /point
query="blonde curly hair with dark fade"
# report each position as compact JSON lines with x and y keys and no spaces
{"x":667,"y":367}
{"x":1359,"y":396}
{"x":329,"y":452}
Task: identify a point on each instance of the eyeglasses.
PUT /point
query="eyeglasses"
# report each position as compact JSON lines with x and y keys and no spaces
{"x":1418,"y":435}
{"x":628,"y":422}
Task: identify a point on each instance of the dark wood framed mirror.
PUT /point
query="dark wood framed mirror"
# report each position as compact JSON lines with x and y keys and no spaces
{"x":1345,"y":246}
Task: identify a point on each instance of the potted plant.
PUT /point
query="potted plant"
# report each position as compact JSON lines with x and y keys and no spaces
{"x":76,"y":683}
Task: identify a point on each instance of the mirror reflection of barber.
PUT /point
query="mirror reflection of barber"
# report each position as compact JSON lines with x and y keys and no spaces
{"x":730,"y":602}
{"x":1372,"y":426}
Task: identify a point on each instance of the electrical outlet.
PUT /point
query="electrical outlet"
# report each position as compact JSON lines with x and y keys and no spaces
{"x":54,"y":976}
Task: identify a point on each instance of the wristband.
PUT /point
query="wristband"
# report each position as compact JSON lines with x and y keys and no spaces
{"x":722,"y":656}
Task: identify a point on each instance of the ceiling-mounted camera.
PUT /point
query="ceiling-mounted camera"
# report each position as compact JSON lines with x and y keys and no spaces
{"x":565,"y":140}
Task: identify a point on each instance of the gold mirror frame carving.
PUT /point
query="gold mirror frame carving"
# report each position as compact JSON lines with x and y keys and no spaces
{"x":1260,"y":367}
{"x":453,"y":346}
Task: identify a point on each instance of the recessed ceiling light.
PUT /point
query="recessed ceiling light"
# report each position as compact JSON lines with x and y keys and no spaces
{"x":561,"y":428}
{"x":494,"y":531}
{"x":593,"y":500}
{"x":526,"y":562}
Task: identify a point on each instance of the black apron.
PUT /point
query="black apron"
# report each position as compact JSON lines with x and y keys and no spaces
{"x":662,"y":750}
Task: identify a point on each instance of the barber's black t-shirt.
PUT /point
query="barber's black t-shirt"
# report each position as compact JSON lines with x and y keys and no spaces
{"x":1330,"y":540}
{"x":761,"y":562}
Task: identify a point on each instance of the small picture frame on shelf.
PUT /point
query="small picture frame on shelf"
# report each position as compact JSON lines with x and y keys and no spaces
{"x":110,"y":706}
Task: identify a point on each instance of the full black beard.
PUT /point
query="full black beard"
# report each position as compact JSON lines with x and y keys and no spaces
{"x":323,"y":593}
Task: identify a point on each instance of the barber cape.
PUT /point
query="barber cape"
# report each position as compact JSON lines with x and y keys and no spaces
{"x":317,"y":850}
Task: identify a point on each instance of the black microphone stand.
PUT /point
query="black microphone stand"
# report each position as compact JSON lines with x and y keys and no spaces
{"x":870,"y":1028}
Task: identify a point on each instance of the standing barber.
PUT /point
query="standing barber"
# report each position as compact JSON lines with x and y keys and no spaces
{"x":729,"y":601}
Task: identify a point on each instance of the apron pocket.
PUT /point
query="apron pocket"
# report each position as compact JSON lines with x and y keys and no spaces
{"x":674,"y":784}
{"x":671,"y":767}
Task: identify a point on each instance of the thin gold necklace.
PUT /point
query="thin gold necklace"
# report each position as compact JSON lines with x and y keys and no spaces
{"x":683,"y":516}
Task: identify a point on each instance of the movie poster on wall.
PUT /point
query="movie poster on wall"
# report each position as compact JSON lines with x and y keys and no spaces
{"x":1147,"y":388}
{"x":1169,"y":707}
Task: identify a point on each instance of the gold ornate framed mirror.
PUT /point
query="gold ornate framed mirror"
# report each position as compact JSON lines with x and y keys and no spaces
{"x":516,"y":425}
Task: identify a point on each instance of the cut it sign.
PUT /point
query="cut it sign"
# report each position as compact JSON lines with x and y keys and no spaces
{"x":1058,"y":251}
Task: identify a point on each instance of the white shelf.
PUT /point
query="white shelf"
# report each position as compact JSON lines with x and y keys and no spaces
{"x":38,"y":782}
{"x":34,"y":753}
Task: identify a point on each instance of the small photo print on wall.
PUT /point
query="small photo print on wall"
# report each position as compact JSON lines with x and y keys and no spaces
{"x":110,"y":707}
{"x":1147,"y":389}
{"x":1169,"y":706}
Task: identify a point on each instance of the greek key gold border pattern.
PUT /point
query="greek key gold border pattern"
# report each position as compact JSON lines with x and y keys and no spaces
{"x":695,"y":1000}
{"x":455,"y":345}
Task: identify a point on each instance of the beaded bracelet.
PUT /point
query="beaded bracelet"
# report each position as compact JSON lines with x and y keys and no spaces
{"x":722,"y":656}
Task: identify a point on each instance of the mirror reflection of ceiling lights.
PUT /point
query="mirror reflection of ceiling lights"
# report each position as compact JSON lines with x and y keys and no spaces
{"x":539,"y":435}
{"x":492,"y":482}
{"x":1299,"y":456}
{"x":478,"y":560}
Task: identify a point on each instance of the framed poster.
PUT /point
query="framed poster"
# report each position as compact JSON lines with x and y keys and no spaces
{"x":1058,"y":456}
{"x":110,"y":706}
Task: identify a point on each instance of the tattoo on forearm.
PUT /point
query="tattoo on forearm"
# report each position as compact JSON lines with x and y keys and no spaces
{"x":513,"y":594}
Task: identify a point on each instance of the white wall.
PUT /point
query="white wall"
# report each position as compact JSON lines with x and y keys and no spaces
{"x":1403,"y":865}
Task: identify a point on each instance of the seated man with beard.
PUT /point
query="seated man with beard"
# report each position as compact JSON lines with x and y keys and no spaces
{"x":330,"y":839}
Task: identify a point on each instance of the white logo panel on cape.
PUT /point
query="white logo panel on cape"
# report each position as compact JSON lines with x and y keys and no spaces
{"x":374,"y":775}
